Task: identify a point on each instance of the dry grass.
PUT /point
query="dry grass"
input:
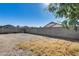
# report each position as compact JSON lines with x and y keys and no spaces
{"x":29,"y":45}
{"x":46,"y":47}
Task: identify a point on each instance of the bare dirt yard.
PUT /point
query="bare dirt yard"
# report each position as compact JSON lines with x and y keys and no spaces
{"x":20,"y":44}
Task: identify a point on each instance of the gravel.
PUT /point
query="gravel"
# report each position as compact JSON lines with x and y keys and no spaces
{"x":8,"y":43}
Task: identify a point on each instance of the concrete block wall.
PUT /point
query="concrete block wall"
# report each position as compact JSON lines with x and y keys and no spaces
{"x":55,"y":32}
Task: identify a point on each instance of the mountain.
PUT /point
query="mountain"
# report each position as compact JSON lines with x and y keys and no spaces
{"x":12,"y":29}
{"x":9,"y":26}
{"x":53,"y":24}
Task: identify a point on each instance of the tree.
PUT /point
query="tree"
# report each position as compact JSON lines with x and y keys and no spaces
{"x":70,"y":11}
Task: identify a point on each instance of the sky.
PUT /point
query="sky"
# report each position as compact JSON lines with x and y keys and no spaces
{"x":25,"y":14}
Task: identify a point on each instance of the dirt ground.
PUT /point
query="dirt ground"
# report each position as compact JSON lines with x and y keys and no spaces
{"x":8,"y":43}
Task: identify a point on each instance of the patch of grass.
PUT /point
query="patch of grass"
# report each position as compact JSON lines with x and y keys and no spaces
{"x":46,"y":47}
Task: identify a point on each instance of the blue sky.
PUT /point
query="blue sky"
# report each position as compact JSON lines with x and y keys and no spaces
{"x":26,"y":14}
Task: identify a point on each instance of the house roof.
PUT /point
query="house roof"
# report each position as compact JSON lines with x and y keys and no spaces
{"x":53,"y":24}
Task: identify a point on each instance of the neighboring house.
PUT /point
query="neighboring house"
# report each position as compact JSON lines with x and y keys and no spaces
{"x":53,"y":24}
{"x":77,"y":24}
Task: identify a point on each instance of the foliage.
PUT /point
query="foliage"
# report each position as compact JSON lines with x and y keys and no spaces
{"x":70,"y":11}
